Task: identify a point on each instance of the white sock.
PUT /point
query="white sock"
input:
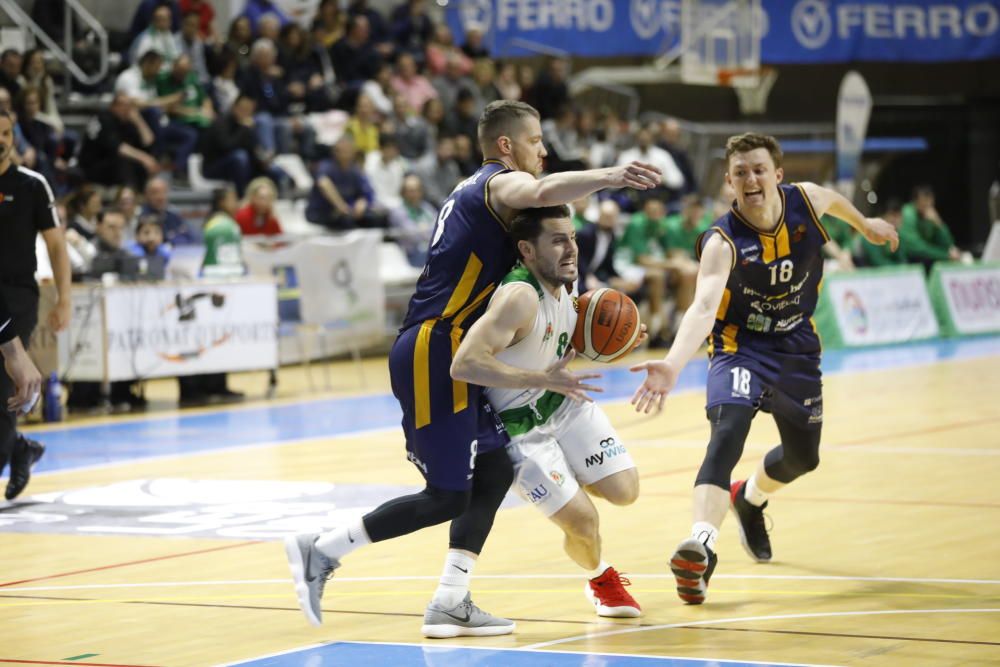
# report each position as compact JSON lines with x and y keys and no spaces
{"x":454,"y":582}
{"x":601,"y":567}
{"x":705,"y":533}
{"x":752,"y":492}
{"x":341,"y":541}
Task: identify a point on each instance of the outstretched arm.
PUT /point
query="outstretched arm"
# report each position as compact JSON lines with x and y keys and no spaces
{"x":876,"y":230}
{"x":508,"y":318}
{"x":661,"y":376}
{"x":518,"y":189}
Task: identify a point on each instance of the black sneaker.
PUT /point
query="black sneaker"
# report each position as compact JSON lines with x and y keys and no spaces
{"x":750,"y":519}
{"x":693,"y":564}
{"x":21,"y":463}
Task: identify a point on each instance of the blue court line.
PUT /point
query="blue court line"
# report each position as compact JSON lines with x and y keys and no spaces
{"x":177,"y":434}
{"x":416,"y":655}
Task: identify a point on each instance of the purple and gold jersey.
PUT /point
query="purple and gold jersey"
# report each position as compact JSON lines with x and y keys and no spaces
{"x":775,"y":278}
{"x":470,"y":254}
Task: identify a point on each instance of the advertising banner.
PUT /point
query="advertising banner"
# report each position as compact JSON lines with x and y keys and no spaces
{"x":794,"y":31}
{"x":966,"y":298}
{"x":875,"y":306}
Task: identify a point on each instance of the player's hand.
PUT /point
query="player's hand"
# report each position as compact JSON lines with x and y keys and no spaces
{"x":641,"y":339}
{"x":60,"y":315}
{"x":660,"y":379}
{"x":880,"y":232}
{"x":635,"y":174}
{"x":27,"y":380}
{"x":570,"y":385}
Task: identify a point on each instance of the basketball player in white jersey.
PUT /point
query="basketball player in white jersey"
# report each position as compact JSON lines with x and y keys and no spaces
{"x":558,"y":443}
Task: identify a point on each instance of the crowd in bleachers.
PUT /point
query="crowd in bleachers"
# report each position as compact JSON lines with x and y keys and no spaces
{"x":379,"y":113}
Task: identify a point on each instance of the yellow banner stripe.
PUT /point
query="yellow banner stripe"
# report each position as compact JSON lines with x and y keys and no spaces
{"x":459,"y":389}
{"x":421,"y":374}
{"x":784,"y":246}
{"x":767,"y":252}
{"x":720,"y":314}
{"x":464,"y":287}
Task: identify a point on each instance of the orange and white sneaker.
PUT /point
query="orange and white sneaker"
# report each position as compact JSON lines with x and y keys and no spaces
{"x":607,"y":593}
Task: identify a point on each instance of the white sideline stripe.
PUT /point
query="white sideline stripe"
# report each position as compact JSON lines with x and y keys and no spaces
{"x":444,"y":648}
{"x":268,"y":582}
{"x":746,"y":619}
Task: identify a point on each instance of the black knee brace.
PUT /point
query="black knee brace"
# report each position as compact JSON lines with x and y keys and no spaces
{"x":492,"y":478}
{"x":730,"y":426}
{"x":797,"y":454}
{"x":407,"y":514}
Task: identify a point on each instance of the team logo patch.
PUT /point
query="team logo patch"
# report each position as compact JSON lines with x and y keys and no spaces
{"x":799,"y":232}
{"x":548,"y":332}
{"x":556,"y":477}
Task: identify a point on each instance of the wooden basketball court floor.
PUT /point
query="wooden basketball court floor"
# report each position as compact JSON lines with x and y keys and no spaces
{"x":155,"y":540}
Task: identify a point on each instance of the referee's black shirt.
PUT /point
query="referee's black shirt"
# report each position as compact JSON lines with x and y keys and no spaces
{"x":26,"y":208}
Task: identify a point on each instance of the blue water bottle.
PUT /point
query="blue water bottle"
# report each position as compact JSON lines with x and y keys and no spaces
{"x":52,"y":409}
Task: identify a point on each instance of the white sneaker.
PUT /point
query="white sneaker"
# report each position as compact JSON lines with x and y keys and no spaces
{"x":463,"y":620}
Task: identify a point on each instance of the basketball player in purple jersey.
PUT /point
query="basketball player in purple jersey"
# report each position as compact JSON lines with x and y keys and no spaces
{"x":452,"y":436}
{"x":757,"y":288}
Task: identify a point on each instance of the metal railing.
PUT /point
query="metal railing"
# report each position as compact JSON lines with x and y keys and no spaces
{"x":64,"y":54}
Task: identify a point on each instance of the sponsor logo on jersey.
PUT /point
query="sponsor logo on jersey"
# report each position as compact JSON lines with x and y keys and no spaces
{"x":412,"y":458}
{"x":609,"y":450}
{"x":537,"y":494}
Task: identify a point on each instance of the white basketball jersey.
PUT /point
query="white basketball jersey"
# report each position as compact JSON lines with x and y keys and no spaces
{"x":546,"y":343}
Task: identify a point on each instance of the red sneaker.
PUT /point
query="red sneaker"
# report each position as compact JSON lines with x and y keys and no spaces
{"x":609,"y":596}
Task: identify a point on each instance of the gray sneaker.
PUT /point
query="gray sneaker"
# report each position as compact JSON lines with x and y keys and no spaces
{"x":310,"y":571}
{"x":463,"y":620}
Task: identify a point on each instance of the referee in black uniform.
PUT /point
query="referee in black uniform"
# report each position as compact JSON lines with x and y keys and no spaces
{"x":18,"y":365}
{"x":26,"y":208}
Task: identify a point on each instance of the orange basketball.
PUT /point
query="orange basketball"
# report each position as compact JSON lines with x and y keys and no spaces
{"x":607,"y":325}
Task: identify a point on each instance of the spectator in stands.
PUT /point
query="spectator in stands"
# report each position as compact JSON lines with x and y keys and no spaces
{"x":269,"y":27}
{"x":143,"y":17}
{"x":83,"y":211}
{"x":680,"y":234}
{"x":412,"y":28}
{"x":206,"y":14}
{"x":441,"y":49}
{"x":300,"y":60}
{"x":451,"y":82}
{"x":581,"y":212}
{"x":551,"y":91}
{"x":506,"y":82}
{"x":463,"y":118}
{"x":672,"y":141}
{"x":411,"y":130}
{"x":341,"y":197}
{"x":256,"y":217}
{"x":240,"y":39}
{"x":924,"y":234}
{"x":193,"y":46}
{"x":644,"y":238}
{"x":412,"y":220}
{"x":434,"y":113}
{"x":190,"y":115}
{"x":648,"y":152}
{"x":127,"y":201}
{"x":255,"y":9}
{"x":869,"y":254}
{"x":439,"y":171}
{"x":597,"y":244}
{"x":354,"y":57}
{"x":149,"y":246}
{"x":225,"y":88}
{"x":474,"y":46}
{"x":562,"y":141}
{"x":483,"y":85}
{"x":115,"y":149}
{"x":263,"y":81}
{"x":24,"y":154}
{"x":384,"y":169}
{"x":378,"y":28}
{"x":410,"y":83}
{"x":466,"y":156}
{"x":176,"y":230}
{"x":81,"y":251}
{"x":379,"y":89}
{"x":363,"y":126}
{"x":10,"y":70}
{"x":223,"y":249}
{"x":109,"y":240}
{"x":329,"y":25}
{"x":159,"y":37}
{"x":230,"y":148}
{"x":42,"y":137}
{"x":34,"y":73}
